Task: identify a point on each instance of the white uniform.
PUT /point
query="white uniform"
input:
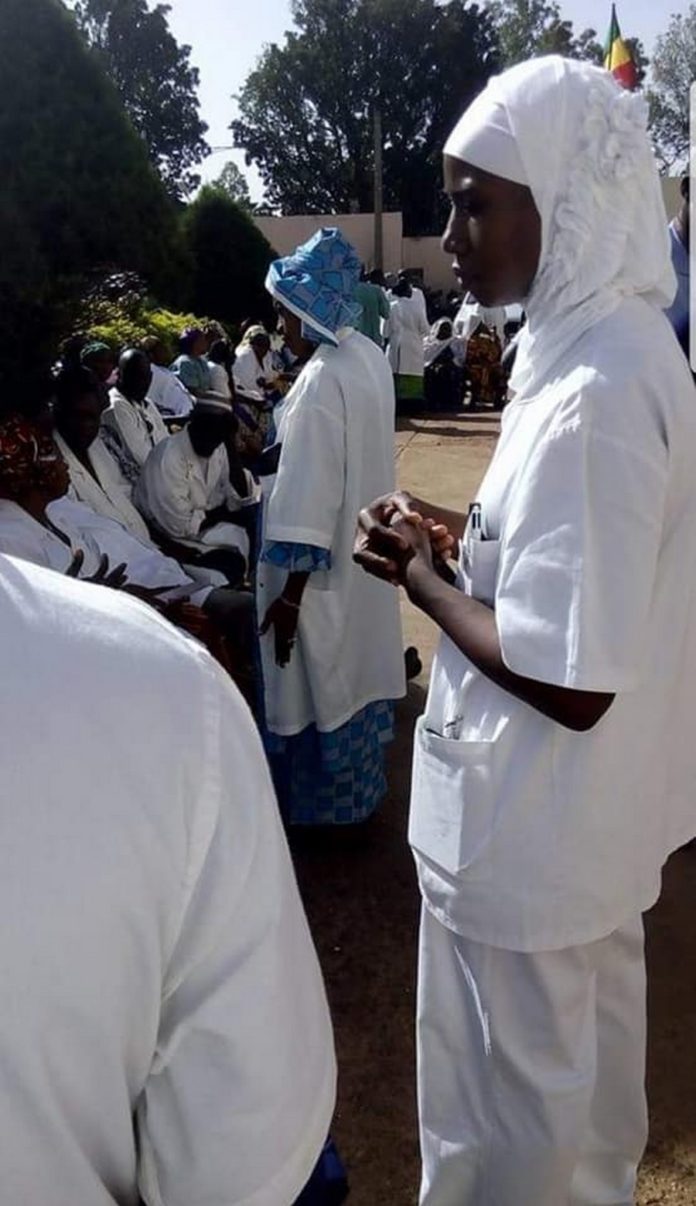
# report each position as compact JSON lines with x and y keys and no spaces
{"x":138,"y":426}
{"x":538,"y":848}
{"x":406,"y":329}
{"x":169,"y":394}
{"x":95,"y":535}
{"x":336,"y":429}
{"x":177,"y":488}
{"x":165,"y":1034}
{"x":106,"y":490}
{"x":219,"y":381}
{"x":247,"y":370}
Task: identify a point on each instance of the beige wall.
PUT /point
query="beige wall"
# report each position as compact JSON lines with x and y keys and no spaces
{"x":426,"y":255}
{"x":285,"y":234}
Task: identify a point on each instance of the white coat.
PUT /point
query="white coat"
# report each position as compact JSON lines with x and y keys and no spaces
{"x":406,"y":328}
{"x":336,"y":430}
{"x":177,"y":488}
{"x":163,"y":1010}
{"x":247,"y":371}
{"x":106,"y":491}
{"x":527,"y":835}
{"x":138,"y":426}
{"x":169,"y":394}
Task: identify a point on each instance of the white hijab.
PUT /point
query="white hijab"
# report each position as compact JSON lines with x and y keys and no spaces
{"x":579,"y":142}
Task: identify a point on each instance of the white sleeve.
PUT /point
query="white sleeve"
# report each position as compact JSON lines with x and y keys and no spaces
{"x":307,"y":495}
{"x":121,"y":419}
{"x":241,"y":1092}
{"x":579,"y":555}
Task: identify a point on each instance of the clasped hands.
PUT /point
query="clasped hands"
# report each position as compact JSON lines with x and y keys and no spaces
{"x":396,"y":543}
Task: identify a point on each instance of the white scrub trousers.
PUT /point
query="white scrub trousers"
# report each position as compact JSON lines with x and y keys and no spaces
{"x":531,"y":1071}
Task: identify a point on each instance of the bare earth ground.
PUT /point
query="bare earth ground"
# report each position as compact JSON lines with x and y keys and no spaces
{"x":360,"y":892}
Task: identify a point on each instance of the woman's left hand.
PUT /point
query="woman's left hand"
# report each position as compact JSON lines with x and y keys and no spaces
{"x":283,"y":618}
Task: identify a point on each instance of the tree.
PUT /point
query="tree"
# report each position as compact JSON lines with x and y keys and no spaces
{"x":673,"y":70}
{"x":79,"y":195}
{"x":527,"y":28}
{"x":233,"y":182}
{"x":230,"y":259}
{"x":420,"y":61}
{"x":155,"y":80}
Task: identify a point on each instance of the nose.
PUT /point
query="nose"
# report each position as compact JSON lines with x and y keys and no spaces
{"x":455,"y":240}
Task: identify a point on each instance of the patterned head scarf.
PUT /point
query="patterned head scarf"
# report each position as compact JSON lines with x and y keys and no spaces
{"x":579,"y":142}
{"x":317,"y":283}
{"x":26,"y":451}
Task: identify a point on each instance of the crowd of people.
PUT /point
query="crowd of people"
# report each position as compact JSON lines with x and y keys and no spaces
{"x":165,"y":1031}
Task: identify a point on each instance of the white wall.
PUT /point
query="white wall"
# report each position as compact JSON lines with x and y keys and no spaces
{"x":285,"y":234}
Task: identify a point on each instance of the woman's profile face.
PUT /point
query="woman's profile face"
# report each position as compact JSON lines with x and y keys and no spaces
{"x":493,"y":234}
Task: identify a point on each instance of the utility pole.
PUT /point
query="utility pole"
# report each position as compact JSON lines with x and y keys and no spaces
{"x":378,"y":249}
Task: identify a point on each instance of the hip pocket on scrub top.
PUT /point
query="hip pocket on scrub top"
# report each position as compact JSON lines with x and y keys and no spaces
{"x":452,"y":802}
{"x":480,"y":560}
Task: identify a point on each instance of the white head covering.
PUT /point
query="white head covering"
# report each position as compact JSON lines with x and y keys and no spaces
{"x":579,"y":142}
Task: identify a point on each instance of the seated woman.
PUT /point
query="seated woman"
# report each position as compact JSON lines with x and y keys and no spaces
{"x":95,"y":476}
{"x":39,"y":523}
{"x":482,"y":368}
{"x":191,"y":365}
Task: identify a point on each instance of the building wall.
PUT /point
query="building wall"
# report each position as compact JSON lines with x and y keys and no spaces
{"x":285,"y":234}
{"x":424,"y":255}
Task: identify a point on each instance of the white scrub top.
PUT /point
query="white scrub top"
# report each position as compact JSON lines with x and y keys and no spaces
{"x":138,"y":426}
{"x":164,"y":1032}
{"x":527,"y":835}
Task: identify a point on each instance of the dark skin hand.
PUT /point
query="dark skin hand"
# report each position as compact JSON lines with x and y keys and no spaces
{"x":402,"y":550}
{"x":283,"y":616}
{"x":103,"y":575}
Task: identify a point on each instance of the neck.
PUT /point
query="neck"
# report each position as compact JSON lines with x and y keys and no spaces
{"x":34,"y":502}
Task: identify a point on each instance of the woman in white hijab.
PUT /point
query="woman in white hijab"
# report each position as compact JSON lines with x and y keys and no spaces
{"x":554,"y":765}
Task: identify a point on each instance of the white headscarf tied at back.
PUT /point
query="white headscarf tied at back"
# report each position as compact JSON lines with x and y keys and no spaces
{"x":579,"y":142}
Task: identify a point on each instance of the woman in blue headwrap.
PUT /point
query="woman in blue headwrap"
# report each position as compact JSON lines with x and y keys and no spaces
{"x":331,"y":637}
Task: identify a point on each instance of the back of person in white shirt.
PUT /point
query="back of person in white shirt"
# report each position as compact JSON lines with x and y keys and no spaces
{"x":132,"y":423}
{"x":164,"y":1033}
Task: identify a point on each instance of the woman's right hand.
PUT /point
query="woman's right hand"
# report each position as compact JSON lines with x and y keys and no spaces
{"x":383,"y":551}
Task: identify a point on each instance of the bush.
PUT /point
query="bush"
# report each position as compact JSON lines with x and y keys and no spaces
{"x":230,"y":259}
{"x":121,"y":328}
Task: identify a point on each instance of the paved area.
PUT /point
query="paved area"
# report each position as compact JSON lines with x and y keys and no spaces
{"x":360,"y":892}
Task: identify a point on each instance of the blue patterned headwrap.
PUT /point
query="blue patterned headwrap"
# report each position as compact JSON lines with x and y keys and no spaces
{"x":317,"y":283}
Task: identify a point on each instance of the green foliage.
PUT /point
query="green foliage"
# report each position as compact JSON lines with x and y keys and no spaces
{"x":674,"y":70}
{"x":78,"y":190}
{"x":155,"y":80}
{"x":420,"y":61}
{"x":233,"y":182}
{"x":230,"y":258}
{"x":121,"y":327}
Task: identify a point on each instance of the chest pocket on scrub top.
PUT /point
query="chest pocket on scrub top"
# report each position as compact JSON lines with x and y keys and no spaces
{"x":479,"y":569}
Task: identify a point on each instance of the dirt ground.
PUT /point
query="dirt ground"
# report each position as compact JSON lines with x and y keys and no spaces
{"x":360,"y":892}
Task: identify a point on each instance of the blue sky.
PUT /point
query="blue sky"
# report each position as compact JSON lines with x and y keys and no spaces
{"x":227,"y":37}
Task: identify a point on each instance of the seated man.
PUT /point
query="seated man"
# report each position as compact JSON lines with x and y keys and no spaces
{"x":165,"y":1035}
{"x":194,"y":489}
{"x":39,"y":523}
{"x":132,"y":424}
{"x":167,"y":391}
{"x":95,"y":475}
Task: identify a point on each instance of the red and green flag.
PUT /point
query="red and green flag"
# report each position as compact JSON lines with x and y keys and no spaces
{"x":617,"y":57}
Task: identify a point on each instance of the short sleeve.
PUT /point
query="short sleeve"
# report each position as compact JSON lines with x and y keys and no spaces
{"x":241,"y":1092}
{"x":579,"y":555}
